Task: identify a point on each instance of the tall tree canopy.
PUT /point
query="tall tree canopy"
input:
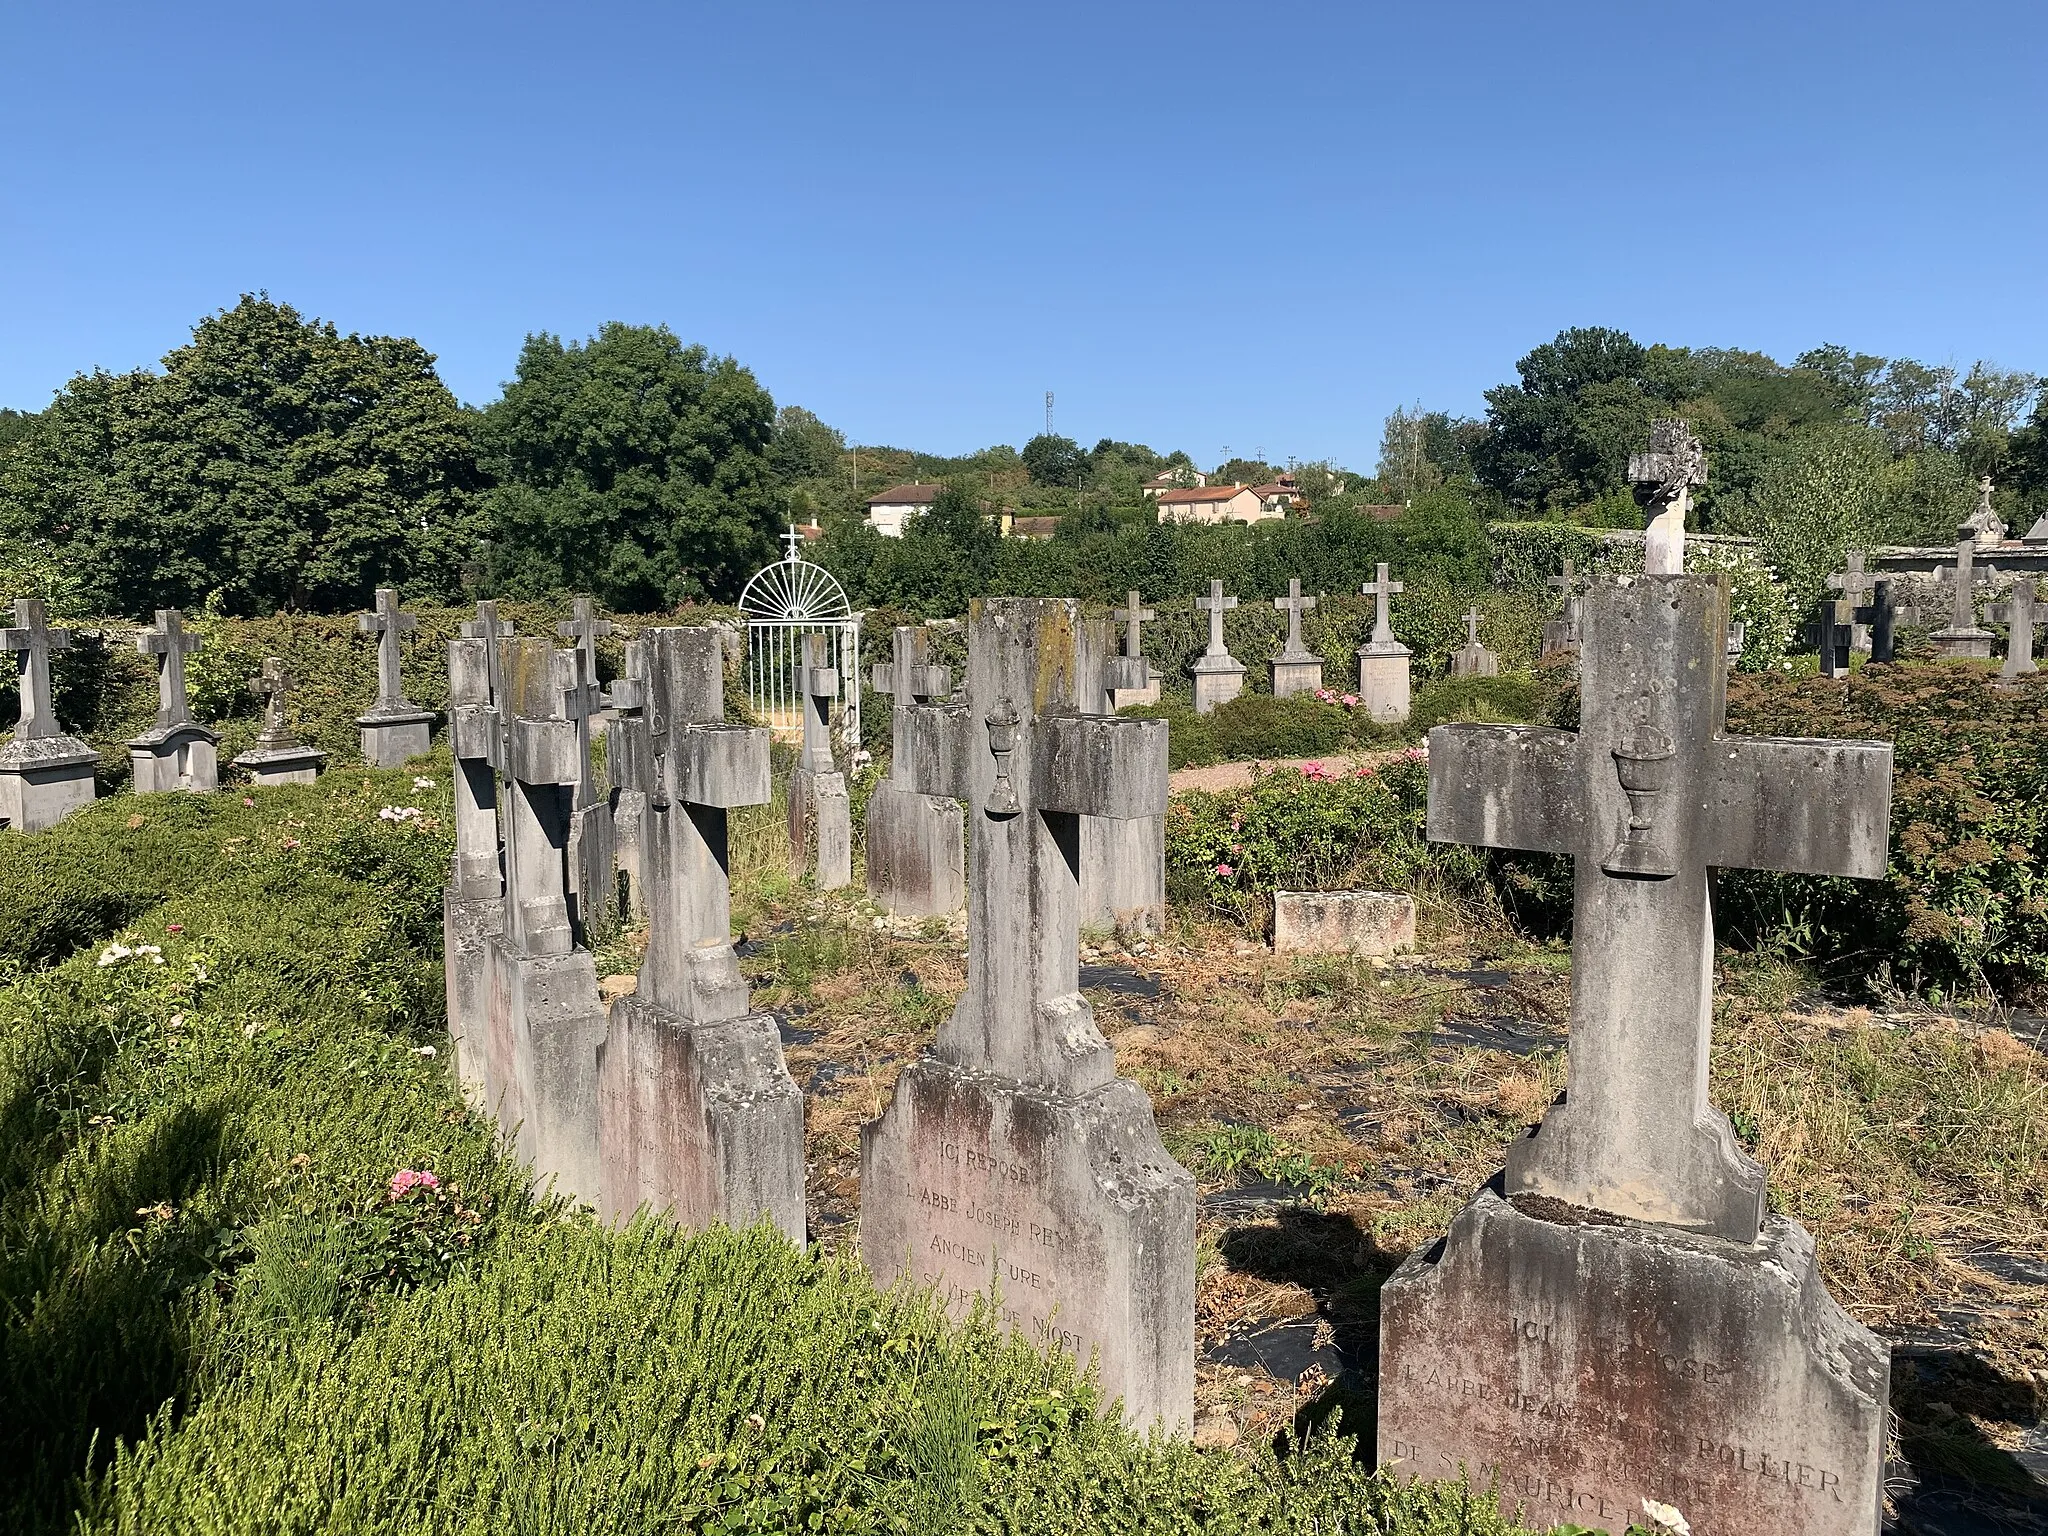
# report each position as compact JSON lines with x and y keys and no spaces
{"x":274,"y":463}
{"x":632,"y":467}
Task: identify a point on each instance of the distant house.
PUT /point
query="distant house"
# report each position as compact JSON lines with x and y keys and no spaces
{"x":1032,"y":527}
{"x":1174,"y":480}
{"x":1384,"y":512}
{"x":1212,"y":504}
{"x":1281,"y":496}
{"x":888,"y":512}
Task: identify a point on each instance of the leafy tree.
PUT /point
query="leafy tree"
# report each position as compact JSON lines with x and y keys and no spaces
{"x":1244,"y":472}
{"x":1563,"y":434}
{"x":634,"y":468}
{"x":1817,"y":503}
{"x":804,"y":448}
{"x":14,"y":426}
{"x":1404,"y":469}
{"x":1053,"y":460}
{"x":946,"y":558}
{"x":273,"y":463}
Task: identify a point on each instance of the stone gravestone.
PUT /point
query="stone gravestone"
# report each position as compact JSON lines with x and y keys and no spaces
{"x":1617,"y":1318}
{"x":2017,"y":614}
{"x":472,"y":905}
{"x":1383,"y":662}
{"x":177,"y":752}
{"x":546,"y":1019}
{"x":45,"y":775}
{"x":593,"y":848}
{"x":1984,"y":525}
{"x":1296,"y":669}
{"x":1561,"y":635}
{"x":1962,"y":637}
{"x":1219,"y":676}
{"x":394,"y":729}
{"x":916,"y":843}
{"x":627,"y":701}
{"x":278,"y":756}
{"x":1473,"y":659}
{"x":1853,"y":582}
{"x":1123,"y":858}
{"x":1134,"y":681}
{"x":1880,"y":618}
{"x":1012,"y":1159}
{"x":698,"y":1117}
{"x":820,"y":815}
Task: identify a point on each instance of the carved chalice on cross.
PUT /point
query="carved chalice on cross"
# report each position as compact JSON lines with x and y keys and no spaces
{"x":1643,"y":762}
{"x":1002,"y":741}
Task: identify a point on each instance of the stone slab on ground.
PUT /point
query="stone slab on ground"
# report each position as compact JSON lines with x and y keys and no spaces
{"x":1342,"y":922}
{"x":916,"y":859}
{"x":1590,"y":1364}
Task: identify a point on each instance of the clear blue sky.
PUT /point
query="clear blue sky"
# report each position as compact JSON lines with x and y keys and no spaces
{"x":1260,"y":225}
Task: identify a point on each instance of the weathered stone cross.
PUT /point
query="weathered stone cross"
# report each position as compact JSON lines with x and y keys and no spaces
{"x":1648,"y":796}
{"x":271,"y":685}
{"x":1030,"y":765}
{"x":1472,"y":626}
{"x":32,"y":634}
{"x":1294,"y":605}
{"x":387,"y":623}
{"x":1563,"y":581}
{"x":538,"y":690}
{"x":1853,"y":582}
{"x":820,"y":687}
{"x":1216,"y":603}
{"x":1381,"y":588}
{"x":169,"y":641}
{"x":476,"y":734}
{"x":1132,"y":617}
{"x":584,"y":630}
{"x":2017,"y":614}
{"x":911,"y":678}
{"x":694,"y":768}
{"x":1962,"y":578}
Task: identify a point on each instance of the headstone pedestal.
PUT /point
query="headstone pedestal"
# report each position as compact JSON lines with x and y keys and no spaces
{"x":1219,"y":676}
{"x":395,"y":730}
{"x":176,"y":752}
{"x":1384,"y":663}
{"x":45,"y":775}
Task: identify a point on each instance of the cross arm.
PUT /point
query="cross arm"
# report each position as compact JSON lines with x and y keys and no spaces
{"x":1804,"y":807}
{"x":716,"y":764}
{"x":1505,"y":786}
{"x":543,"y":752}
{"x":937,"y":742}
{"x":1096,"y":765}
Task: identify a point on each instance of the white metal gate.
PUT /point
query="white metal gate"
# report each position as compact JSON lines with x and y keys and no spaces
{"x":783,"y":603}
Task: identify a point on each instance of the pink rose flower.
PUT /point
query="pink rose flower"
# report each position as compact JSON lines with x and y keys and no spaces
{"x":1225,"y":870}
{"x":406,"y":1180}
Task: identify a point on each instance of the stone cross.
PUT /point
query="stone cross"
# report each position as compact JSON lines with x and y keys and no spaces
{"x":2017,"y":614}
{"x":169,"y":641}
{"x":911,"y":677}
{"x":1984,"y":524}
{"x":387,"y":623}
{"x":694,"y":768}
{"x":820,"y":688}
{"x":1649,"y":796}
{"x":584,"y":630}
{"x":1294,"y":605}
{"x":32,"y":635}
{"x":1029,"y":765}
{"x":1216,"y":603}
{"x":1132,"y":617}
{"x":476,"y":735}
{"x":1564,"y":583}
{"x":540,"y":693}
{"x":1472,"y":627}
{"x":1962,"y":579}
{"x":1663,"y":480}
{"x":1853,"y":582}
{"x":1380,"y":589}
{"x":271,"y":685}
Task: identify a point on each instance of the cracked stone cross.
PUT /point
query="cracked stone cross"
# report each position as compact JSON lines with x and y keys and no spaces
{"x":1649,"y":796}
{"x":910,"y":677}
{"x":271,"y":685}
{"x":1294,"y":605}
{"x":32,"y":636}
{"x":1217,"y":604}
{"x":169,"y":641}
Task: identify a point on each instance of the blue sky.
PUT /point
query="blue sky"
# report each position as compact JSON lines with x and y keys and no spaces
{"x":1260,"y":226}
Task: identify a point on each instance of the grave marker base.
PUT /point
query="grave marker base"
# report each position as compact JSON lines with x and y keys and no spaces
{"x":1123,"y":874}
{"x":392,"y":741}
{"x":701,"y":1123}
{"x":183,"y":757}
{"x":467,"y":923}
{"x":1974,"y":644}
{"x":267,"y":766}
{"x":1383,"y":681}
{"x":546,"y":1023}
{"x":1218,"y":680}
{"x":821,"y":822}
{"x":1068,"y":1208}
{"x":916,"y":853}
{"x":43,"y":780}
{"x":1296,"y":674}
{"x":1586,"y":1364}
